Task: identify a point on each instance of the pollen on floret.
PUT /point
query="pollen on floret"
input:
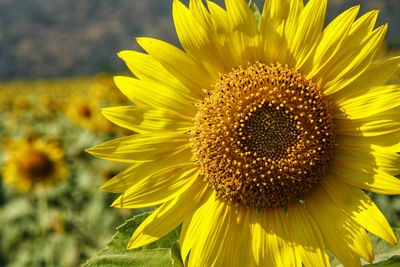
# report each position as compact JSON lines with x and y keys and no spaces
{"x":263,"y":136}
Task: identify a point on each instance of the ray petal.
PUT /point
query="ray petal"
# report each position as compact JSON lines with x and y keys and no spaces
{"x":349,"y":236}
{"x":141,"y":147}
{"x":307,"y":31}
{"x":351,"y":65}
{"x":376,"y":100}
{"x":158,"y":188}
{"x":379,"y":72}
{"x":194,"y":76}
{"x":361,"y":208}
{"x":139,"y":171}
{"x":171,"y":214}
{"x":144,"y":67}
{"x":366,"y":177}
{"x":142,"y":119}
{"x":331,"y":42}
{"x":151,"y":94}
{"x":306,"y":236}
{"x":379,"y":124}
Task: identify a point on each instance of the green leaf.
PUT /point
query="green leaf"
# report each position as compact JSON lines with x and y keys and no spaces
{"x":154,"y":254}
{"x":145,"y":257}
{"x":392,"y":262}
{"x":176,"y":255}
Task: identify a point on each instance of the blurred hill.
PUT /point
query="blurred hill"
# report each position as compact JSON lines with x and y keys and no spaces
{"x":49,"y":38}
{"x":54,"y":38}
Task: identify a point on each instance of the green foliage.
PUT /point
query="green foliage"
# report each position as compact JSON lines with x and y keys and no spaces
{"x":176,"y":255}
{"x":65,"y":224}
{"x":164,"y":252}
{"x":392,"y":262}
{"x":147,"y":257}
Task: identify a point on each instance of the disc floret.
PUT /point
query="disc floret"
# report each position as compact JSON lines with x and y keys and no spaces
{"x":263,"y":135}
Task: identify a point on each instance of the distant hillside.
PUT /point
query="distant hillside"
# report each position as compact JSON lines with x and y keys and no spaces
{"x":47,"y":38}
{"x":52,"y":38}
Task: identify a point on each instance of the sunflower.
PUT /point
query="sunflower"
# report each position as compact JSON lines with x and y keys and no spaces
{"x":84,"y":112}
{"x":30,"y":163}
{"x":261,"y":136}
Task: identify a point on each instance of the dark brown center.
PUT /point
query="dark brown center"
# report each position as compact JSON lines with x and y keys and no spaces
{"x":36,"y":166}
{"x":84,"y":111}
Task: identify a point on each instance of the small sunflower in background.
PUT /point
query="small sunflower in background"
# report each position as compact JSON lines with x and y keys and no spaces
{"x":85,"y":113}
{"x":260,"y":137}
{"x":33,"y":163}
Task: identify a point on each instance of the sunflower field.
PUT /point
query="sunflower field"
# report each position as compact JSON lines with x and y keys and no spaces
{"x":264,"y":134}
{"x":52,"y":212}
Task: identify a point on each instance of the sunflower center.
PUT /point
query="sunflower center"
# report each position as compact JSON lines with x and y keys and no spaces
{"x":84,"y":111}
{"x":36,"y":165}
{"x":263,"y":136}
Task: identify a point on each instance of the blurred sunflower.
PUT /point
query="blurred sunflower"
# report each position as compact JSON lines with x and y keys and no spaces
{"x":30,"y":163}
{"x":84,"y":112}
{"x":261,"y":137}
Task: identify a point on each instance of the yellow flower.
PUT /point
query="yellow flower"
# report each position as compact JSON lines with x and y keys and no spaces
{"x":260,"y":138}
{"x":30,"y":163}
{"x":84,"y":112}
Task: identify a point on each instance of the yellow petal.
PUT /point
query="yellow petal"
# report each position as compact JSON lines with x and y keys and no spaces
{"x":145,"y":120}
{"x":387,"y":141}
{"x":280,"y":248}
{"x":244,"y":33}
{"x":158,"y":188}
{"x":220,"y":25}
{"x":292,"y":21}
{"x":147,"y":68}
{"x":189,"y":72}
{"x":358,"y":205}
{"x":342,"y":235}
{"x":197,"y":40}
{"x":151,"y":94}
{"x":348,"y":67}
{"x":240,"y":17}
{"x":136,"y":173}
{"x":379,"y":124}
{"x":259,"y":237}
{"x":219,"y":18}
{"x":239,"y":232}
{"x":366,"y":128}
{"x":365,"y":24}
{"x":141,"y":147}
{"x":306,"y":236}
{"x":208,"y":226}
{"x":358,"y":48}
{"x":191,"y":33}
{"x":306,"y":31}
{"x":331,"y":42}
{"x":376,"y":100}
{"x":367,"y":157}
{"x":274,"y":45}
{"x":368,"y":178}
{"x":271,"y":241}
{"x":378,"y":73}
{"x":200,"y":12}
{"x":167,"y":217}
